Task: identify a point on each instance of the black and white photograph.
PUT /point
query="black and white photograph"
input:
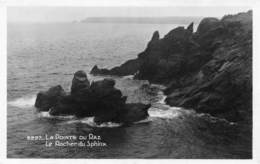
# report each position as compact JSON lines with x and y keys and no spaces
{"x":129,"y":82}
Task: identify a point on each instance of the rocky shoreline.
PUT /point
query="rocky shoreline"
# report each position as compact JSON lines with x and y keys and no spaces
{"x":209,"y":70}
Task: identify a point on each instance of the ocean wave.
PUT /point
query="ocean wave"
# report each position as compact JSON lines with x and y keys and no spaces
{"x":161,"y":110}
{"x":131,"y":77}
{"x":71,"y":119}
{"x":23,"y":102}
{"x":47,"y":115}
{"x":161,"y":113}
{"x":90,"y":121}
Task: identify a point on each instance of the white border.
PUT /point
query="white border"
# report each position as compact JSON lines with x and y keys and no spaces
{"x":255,"y":4}
{"x":144,"y":3}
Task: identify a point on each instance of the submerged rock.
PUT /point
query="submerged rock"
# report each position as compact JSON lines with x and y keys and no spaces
{"x":100,"y":99}
{"x":133,"y":113}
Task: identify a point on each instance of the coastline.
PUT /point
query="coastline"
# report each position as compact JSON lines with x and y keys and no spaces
{"x":204,"y":70}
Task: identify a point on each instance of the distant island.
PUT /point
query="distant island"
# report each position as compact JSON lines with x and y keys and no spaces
{"x":143,"y":20}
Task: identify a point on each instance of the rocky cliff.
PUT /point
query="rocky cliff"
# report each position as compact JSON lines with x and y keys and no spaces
{"x":209,"y":70}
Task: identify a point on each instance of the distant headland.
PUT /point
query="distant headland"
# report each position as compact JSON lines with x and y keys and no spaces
{"x":143,"y":20}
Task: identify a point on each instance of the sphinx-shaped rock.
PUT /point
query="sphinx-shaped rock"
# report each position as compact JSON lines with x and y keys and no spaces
{"x":79,"y":82}
{"x":100,"y":100}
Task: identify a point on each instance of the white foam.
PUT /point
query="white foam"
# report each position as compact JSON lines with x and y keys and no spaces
{"x":23,"y":102}
{"x":162,"y":110}
{"x":162,"y":101}
{"x":149,"y":119}
{"x":161,"y":87}
{"x":128,"y":77}
{"x":44,"y":114}
{"x":47,"y":115}
{"x":108,"y":125}
{"x":168,"y":114}
{"x":90,"y":121}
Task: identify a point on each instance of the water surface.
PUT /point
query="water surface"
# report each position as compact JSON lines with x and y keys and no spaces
{"x":45,"y":55}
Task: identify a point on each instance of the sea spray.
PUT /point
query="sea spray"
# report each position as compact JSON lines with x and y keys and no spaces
{"x":23,"y":102}
{"x":47,"y":115}
{"x":162,"y":110}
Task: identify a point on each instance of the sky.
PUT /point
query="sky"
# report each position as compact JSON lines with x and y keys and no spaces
{"x":67,"y":14}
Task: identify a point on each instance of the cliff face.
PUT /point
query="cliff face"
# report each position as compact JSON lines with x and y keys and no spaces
{"x":209,"y":70}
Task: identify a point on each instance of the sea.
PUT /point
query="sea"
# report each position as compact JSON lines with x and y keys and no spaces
{"x":42,"y":55}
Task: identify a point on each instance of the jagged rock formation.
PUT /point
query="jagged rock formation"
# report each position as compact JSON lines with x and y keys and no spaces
{"x":79,"y":82}
{"x":100,"y":99}
{"x":209,"y":70}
